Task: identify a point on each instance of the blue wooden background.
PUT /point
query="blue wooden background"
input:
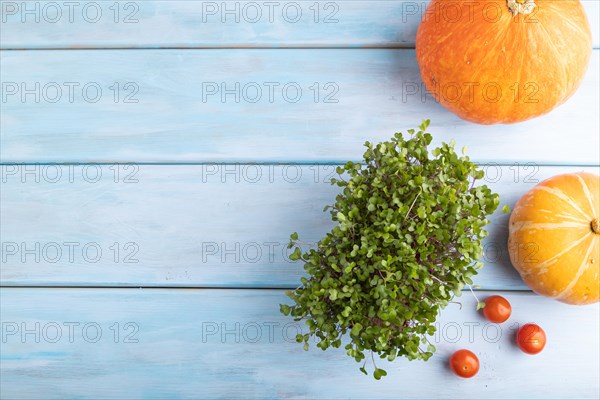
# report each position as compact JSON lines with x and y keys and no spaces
{"x":144,"y":213}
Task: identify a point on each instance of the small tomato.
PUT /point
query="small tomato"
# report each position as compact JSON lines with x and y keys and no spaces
{"x":497,"y":309}
{"x":531,"y":338}
{"x":464,"y":363}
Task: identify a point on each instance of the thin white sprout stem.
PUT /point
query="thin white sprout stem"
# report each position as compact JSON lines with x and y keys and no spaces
{"x":473,"y":293}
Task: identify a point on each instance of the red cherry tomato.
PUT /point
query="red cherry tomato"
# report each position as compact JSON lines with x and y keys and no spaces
{"x":464,"y":363}
{"x":531,"y":338}
{"x":497,"y":309}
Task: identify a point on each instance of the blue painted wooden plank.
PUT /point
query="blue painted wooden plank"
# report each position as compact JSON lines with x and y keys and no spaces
{"x":235,"y":344}
{"x":152,"y":24}
{"x":307,"y":105}
{"x":192,"y":226}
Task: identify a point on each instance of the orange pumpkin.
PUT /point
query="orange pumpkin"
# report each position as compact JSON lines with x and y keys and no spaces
{"x":554,"y":238}
{"x":503,"y":61}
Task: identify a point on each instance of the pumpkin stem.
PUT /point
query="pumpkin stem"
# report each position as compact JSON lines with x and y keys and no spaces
{"x":524,"y":7}
{"x":595,"y":226}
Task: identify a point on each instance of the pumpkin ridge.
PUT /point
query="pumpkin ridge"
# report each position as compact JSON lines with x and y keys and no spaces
{"x":483,"y":64}
{"x":585,"y":264}
{"x":575,"y":27}
{"x":563,"y":216}
{"x":563,"y":67}
{"x":588,"y":194}
{"x":526,"y":225}
{"x":563,"y":196}
{"x":500,"y":37}
{"x":540,"y":226}
{"x":550,"y":261}
{"x":580,"y":34}
{"x":523,"y":55}
{"x":551,"y":6}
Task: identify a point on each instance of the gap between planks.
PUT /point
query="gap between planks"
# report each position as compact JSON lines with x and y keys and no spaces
{"x":266,"y":288}
{"x":274,"y":163}
{"x":287,"y":47}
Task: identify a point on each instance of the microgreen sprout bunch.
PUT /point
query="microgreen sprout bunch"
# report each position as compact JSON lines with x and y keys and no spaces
{"x":407,"y":239}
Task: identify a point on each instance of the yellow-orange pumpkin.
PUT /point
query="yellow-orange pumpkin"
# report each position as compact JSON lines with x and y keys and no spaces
{"x":503,"y":61}
{"x":554,"y":238}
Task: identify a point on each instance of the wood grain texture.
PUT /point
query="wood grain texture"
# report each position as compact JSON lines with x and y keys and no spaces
{"x":194,"y":226}
{"x":176,"y":119}
{"x":193,"y":24}
{"x":184,"y":351}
